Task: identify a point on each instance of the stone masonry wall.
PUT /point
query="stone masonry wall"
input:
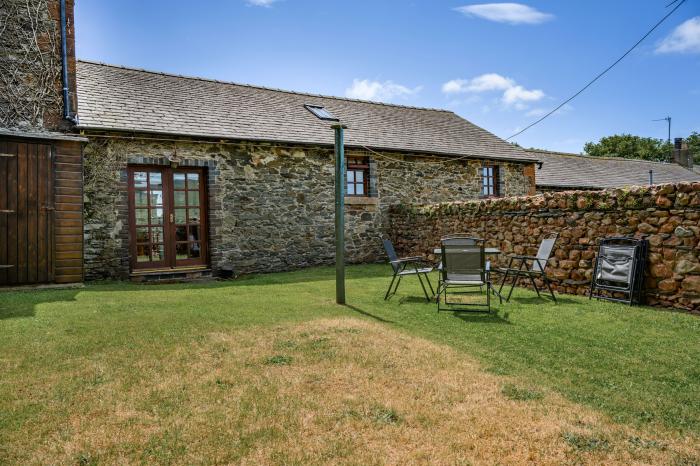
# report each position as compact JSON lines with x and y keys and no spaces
{"x":30,"y":64}
{"x":270,"y":207}
{"x":668,"y":215}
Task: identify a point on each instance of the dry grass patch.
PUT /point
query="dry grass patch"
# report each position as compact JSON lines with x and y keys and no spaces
{"x":335,"y":391}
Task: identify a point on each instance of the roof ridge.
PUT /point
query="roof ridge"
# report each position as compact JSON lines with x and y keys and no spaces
{"x":586,"y":156}
{"x":255,"y":86}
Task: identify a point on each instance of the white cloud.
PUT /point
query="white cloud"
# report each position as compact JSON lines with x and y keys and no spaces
{"x":264,"y":3}
{"x":511,"y":13}
{"x":684,"y":39}
{"x":538,"y":112}
{"x":518,"y":94}
{"x":365,"y":89}
{"x":485,"y":82}
{"x":513,"y":94}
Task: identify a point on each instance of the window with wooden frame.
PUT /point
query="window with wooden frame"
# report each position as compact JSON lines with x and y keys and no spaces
{"x":490,"y":182}
{"x":357,"y":175}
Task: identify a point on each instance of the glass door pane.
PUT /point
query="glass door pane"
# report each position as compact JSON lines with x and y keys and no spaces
{"x":188,"y":196}
{"x":148,"y":203}
{"x":167,"y":217}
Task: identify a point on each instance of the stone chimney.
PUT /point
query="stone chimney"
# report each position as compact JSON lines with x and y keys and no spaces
{"x":30,"y":65}
{"x":681,"y":153}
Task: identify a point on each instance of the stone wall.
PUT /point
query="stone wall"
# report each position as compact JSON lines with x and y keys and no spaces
{"x":30,"y":64}
{"x":667,"y":215}
{"x":270,"y":207}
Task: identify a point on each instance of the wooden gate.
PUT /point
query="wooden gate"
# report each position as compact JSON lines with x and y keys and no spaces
{"x":26,"y":213}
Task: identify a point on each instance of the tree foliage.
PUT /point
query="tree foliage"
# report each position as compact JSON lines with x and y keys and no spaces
{"x":630,"y":147}
{"x":694,"y":145}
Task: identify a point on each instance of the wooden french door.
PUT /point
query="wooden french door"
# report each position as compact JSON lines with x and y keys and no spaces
{"x":26,"y":213}
{"x":167,"y":215}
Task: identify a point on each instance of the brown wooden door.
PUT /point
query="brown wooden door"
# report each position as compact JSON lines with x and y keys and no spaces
{"x":167,"y":210}
{"x":26,"y":213}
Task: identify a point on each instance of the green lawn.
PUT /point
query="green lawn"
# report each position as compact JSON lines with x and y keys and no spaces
{"x":639,"y":366}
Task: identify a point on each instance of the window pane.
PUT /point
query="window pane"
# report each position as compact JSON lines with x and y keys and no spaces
{"x":360,"y":176}
{"x":351,"y":189}
{"x":156,"y":198}
{"x":193,"y":198}
{"x":195,"y":250}
{"x":156,"y":180}
{"x":351,"y":176}
{"x":157,"y":216}
{"x":158,"y":252}
{"x":140,"y":179}
{"x":194,"y":233}
{"x":180,"y":198}
{"x":178,"y":181}
{"x":142,"y":216}
{"x":193,"y":215}
{"x":142,"y":235}
{"x":181,"y":233}
{"x":181,"y":251}
{"x":142,"y":253}
{"x":193,"y":181}
{"x":157,"y":235}
{"x":180,"y":215}
{"x":141,"y":198}
{"x":360,"y":189}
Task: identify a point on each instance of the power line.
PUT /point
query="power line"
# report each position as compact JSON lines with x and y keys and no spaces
{"x":600,"y":75}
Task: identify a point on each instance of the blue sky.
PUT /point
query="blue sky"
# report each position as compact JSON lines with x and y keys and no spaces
{"x":498,"y":65}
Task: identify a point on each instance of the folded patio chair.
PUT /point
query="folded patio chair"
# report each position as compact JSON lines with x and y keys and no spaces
{"x":407,"y":266}
{"x":530,"y":267}
{"x":463,"y":267}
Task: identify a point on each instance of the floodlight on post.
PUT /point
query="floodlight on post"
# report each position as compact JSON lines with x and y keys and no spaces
{"x":339,"y":213}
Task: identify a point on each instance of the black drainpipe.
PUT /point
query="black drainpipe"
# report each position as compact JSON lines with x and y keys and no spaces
{"x":64,"y":68}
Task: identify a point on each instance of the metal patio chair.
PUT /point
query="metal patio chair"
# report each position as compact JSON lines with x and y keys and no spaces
{"x":463,"y":267}
{"x":404,"y":266}
{"x":468,"y":239}
{"x":530,"y":267}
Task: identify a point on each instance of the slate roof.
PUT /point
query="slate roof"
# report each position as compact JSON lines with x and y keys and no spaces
{"x":563,"y":170}
{"x":125,"y":99}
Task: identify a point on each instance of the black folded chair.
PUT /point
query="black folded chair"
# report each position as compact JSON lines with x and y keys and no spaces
{"x":416,"y":265}
{"x":530,"y":267}
{"x":619,"y":270}
{"x":463,"y":267}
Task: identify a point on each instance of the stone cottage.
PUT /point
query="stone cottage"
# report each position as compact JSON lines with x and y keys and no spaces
{"x":192,"y":174}
{"x":184,"y":177}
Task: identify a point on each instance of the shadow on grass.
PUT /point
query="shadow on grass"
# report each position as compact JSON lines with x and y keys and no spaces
{"x":307,"y":275}
{"x":530,"y":300}
{"x":16,"y":304}
{"x":475,"y":317}
{"x":368,"y":314}
{"x":415,"y":300}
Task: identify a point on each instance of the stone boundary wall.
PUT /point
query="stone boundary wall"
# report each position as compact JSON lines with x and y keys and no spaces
{"x":667,"y":215}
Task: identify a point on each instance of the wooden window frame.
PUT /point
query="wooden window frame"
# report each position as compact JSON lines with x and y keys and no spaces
{"x":490,"y":183}
{"x":170,"y":261}
{"x":357,"y":164}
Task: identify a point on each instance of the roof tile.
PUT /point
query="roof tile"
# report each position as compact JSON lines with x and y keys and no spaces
{"x":117,"y":98}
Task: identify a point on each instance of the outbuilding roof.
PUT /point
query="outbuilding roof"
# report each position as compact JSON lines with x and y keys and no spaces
{"x":564,"y":170}
{"x":126,"y":99}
